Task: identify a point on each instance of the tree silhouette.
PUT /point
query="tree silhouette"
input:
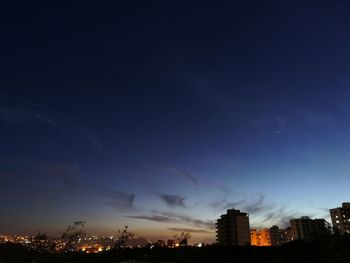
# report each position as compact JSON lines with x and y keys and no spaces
{"x":40,"y":242}
{"x":122,"y":237}
{"x":73,"y":235}
{"x":182,"y":240}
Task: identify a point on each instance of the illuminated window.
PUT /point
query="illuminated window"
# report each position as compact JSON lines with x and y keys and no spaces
{"x":336,"y":216}
{"x":337,"y":221}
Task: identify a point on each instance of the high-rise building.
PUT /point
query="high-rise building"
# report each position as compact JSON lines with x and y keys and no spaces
{"x":279,"y":236}
{"x":308,"y":229}
{"x":260,"y":238}
{"x":341,"y":218}
{"x":233,"y":229}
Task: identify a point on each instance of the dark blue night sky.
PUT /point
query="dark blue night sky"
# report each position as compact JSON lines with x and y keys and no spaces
{"x":161,"y":115}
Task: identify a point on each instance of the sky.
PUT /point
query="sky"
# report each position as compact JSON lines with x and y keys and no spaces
{"x":161,"y":115}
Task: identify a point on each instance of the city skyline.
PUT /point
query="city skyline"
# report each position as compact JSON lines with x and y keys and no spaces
{"x":161,"y":116}
{"x":231,"y":229}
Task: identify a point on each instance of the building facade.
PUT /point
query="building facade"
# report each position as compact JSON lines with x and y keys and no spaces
{"x":308,"y":229}
{"x":341,"y":218}
{"x":232,"y":229}
{"x":260,"y":238}
{"x":273,"y":236}
{"x":279,"y":236}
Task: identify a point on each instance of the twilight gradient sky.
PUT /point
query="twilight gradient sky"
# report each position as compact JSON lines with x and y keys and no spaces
{"x":161,"y":115}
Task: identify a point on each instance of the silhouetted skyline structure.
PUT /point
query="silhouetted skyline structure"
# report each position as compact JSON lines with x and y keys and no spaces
{"x":341,"y":218}
{"x":305,"y":228}
{"x":232,"y":229}
{"x":279,"y":236}
{"x":162,"y":115}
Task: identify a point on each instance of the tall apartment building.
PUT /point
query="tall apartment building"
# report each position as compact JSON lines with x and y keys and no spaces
{"x":279,"y":236}
{"x":272,"y":236}
{"x":233,"y":229}
{"x":341,"y":218}
{"x":260,"y":238}
{"x":308,"y":229}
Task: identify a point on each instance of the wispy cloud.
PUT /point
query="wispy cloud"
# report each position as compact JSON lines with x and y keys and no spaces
{"x":46,"y":182}
{"x":277,"y":121}
{"x":178,"y":172}
{"x":190,"y":230}
{"x":257,"y":206}
{"x":262,"y":211}
{"x":231,"y":205}
{"x":271,"y":214}
{"x":222,"y":199}
{"x":247,"y":204}
{"x":269,"y":121}
{"x":283,"y":217}
{"x":173,"y":200}
{"x":116,"y":199}
{"x":281,"y":124}
{"x":29,"y":194}
{"x":22,"y":113}
{"x":314,"y":120}
{"x":175,"y":218}
{"x":57,"y":181}
{"x":37,"y":172}
{"x":156,"y":218}
{"x":69,"y":175}
{"x":96,"y":143}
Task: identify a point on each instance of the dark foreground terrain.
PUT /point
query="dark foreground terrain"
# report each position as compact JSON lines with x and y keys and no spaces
{"x":319,"y":251}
